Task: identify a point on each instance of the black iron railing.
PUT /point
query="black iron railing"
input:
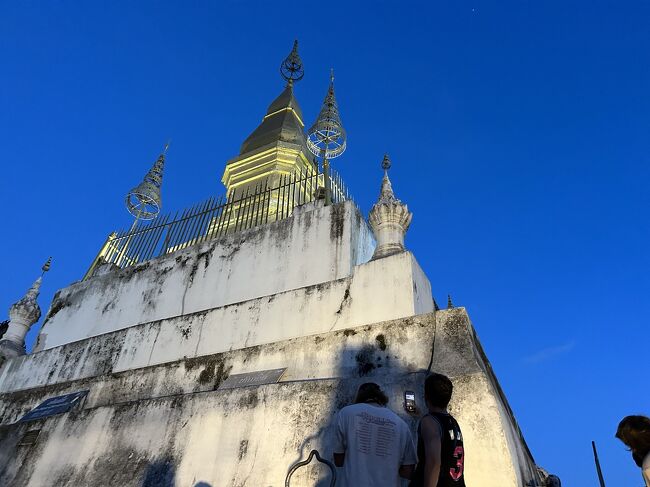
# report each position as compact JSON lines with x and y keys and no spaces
{"x":217,"y":216}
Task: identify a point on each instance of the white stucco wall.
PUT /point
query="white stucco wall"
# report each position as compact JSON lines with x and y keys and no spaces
{"x":379,"y":290}
{"x":316,"y":245}
{"x":153,"y":343}
{"x":169,"y":417}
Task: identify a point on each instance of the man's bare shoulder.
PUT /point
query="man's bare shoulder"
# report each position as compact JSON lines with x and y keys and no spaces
{"x":431,"y":427}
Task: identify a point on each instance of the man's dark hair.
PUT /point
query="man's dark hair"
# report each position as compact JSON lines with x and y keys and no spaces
{"x":437,"y":390}
{"x":634,"y":431}
{"x":371,"y":392}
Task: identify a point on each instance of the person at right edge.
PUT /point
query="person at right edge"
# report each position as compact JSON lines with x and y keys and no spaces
{"x":634,"y":432}
{"x":440,"y":441}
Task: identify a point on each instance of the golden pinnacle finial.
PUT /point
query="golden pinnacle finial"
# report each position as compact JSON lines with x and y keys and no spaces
{"x":47,"y":265}
{"x":164,"y":152}
{"x":332,"y":76}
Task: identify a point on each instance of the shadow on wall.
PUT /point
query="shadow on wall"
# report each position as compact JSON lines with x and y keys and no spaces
{"x":361,"y":356}
{"x":162,"y":473}
{"x":369,"y":361}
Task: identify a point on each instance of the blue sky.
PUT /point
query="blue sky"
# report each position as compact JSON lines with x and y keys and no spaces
{"x":518,"y":132}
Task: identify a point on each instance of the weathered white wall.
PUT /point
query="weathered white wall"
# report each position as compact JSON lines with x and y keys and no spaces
{"x":458,"y":353}
{"x":169,"y":420}
{"x":380,"y":350}
{"x":153,"y":343}
{"x":379,"y":290}
{"x":316,"y":245}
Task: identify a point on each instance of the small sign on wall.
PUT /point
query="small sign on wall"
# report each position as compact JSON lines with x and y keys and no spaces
{"x":55,"y":405}
{"x":248,"y":379}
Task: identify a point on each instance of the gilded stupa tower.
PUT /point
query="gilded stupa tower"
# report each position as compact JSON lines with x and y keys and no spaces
{"x":278,"y":146}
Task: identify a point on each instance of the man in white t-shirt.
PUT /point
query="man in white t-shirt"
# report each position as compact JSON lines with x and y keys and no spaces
{"x":373,"y":445}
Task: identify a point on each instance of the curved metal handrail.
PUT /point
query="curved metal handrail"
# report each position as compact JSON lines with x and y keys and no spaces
{"x":312,"y":453}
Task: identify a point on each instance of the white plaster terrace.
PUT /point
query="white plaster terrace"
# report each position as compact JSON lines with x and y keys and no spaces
{"x":316,"y":245}
{"x":357,"y":300}
{"x":185,"y":304}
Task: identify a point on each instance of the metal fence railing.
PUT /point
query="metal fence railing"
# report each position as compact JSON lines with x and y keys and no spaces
{"x":213,"y":218}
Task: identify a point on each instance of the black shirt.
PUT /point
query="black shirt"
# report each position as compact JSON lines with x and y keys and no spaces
{"x":452,"y":454}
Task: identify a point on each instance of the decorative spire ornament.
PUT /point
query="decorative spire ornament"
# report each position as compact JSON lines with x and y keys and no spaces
{"x":291,"y":68}
{"x":144,"y":201}
{"x":389,"y":218}
{"x":450,"y":305}
{"x":22,"y":315}
{"x":327,"y":138}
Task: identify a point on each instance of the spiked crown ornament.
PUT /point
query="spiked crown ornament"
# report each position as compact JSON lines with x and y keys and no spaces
{"x":327,"y":137}
{"x":22,"y":315}
{"x":144,"y":201}
{"x":389,"y":218}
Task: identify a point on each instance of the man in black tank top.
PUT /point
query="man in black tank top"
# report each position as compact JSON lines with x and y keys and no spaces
{"x":441,"y":454}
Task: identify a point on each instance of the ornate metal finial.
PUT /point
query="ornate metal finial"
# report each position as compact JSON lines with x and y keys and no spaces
{"x":144,"y":201}
{"x":450,"y":305}
{"x":385,"y":164}
{"x":46,"y":266}
{"x":327,"y":137}
{"x":291,"y":68}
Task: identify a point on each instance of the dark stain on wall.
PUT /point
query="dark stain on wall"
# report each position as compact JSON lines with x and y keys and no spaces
{"x":243,"y":448}
{"x":252,"y":352}
{"x":186,"y":332}
{"x":207,"y":375}
{"x":195,"y":267}
{"x":136,"y":269}
{"x":58,"y":304}
{"x":207,"y":255}
{"x":222,"y":374}
{"x":248,"y":400}
{"x":365,"y":359}
{"x":346,"y":299}
{"x":337,"y":223}
{"x":109,"y":306}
